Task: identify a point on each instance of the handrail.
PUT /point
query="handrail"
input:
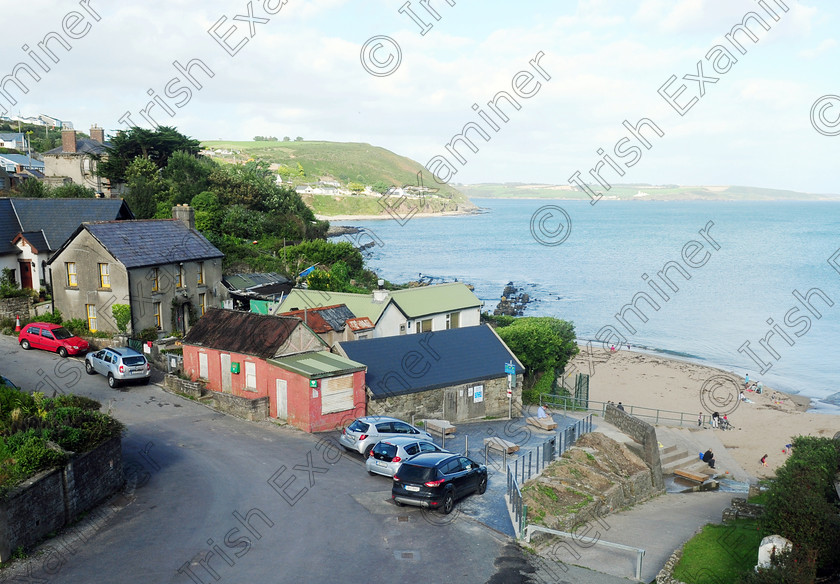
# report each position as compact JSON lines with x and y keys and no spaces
{"x":640,"y":553}
{"x":656,"y":414}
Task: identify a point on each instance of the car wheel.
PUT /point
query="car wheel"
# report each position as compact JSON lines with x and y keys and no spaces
{"x":367,"y":451}
{"x":89,"y":368}
{"x":62,"y":352}
{"x":112,"y":383}
{"x":482,"y":485}
{"x":25,"y":344}
{"x":448,"y":503}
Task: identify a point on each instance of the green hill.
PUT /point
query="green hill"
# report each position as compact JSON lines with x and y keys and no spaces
{"x":353,"y":165}
{"x":643,"y":192}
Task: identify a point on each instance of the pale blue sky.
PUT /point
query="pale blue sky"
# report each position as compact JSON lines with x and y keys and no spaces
{"x":301,"y":74}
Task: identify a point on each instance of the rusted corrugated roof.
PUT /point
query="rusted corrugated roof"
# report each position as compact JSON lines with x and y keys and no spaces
{"x":241,"y":332}
{"x":324,"y":319}
{"x":362,"y":323}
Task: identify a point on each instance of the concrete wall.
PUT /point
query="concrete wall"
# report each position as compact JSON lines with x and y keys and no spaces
{"x":644,"y":434}
{"x":55,"y":498}
{"x":71,"y":166}
{"x":430,"y":404}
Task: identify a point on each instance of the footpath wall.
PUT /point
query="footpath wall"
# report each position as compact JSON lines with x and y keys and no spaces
{"x":644,"y":434}
{"x":55,"y":498}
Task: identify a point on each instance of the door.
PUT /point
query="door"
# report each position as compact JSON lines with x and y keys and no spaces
{"x":202,"y":365}
{"x":224,"y":358}
{"x":25,"y":275}
{"x":48,"y":341}
{"x":282,"y":403}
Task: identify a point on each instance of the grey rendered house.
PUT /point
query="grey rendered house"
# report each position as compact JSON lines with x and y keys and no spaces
{"x":163,"y":268}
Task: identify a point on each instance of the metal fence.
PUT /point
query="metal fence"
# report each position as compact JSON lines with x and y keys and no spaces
{"x":531,"y":463}
{"x":654,"y":416}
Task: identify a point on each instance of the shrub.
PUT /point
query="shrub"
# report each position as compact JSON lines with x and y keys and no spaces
{"x":52,"y":317}
{"x":77,"y":326}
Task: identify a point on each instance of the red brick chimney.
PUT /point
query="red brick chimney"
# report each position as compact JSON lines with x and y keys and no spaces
{"x":68,"y":141}
{"x":97,"y":134}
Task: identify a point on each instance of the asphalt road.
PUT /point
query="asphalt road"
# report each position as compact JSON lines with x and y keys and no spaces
{"x":211,"y":498}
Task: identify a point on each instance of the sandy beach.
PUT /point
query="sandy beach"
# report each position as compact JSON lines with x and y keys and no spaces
{"x":762,"y":425}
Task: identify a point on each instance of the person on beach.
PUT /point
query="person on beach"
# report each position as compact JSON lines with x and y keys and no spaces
{"x":764,"y":460}
{"x":715,"y":417}
{"x":709,"y":458}
{"x":700,"y":419}
{"x":746,"y":379}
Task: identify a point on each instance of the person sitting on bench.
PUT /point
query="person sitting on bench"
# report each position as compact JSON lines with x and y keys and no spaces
{"x":709,"y":458}
{"x":541,"y":413}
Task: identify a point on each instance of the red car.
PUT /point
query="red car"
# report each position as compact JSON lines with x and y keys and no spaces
{"x":51,"y":337}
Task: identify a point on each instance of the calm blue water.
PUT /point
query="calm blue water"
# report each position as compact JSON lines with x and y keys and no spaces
{"x":767,"y":250}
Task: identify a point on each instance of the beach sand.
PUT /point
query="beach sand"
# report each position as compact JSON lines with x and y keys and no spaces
{"x":762,"y":427}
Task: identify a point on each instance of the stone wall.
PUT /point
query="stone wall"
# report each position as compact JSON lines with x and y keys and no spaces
{"x":12,"y":307}
{"x":254,"y":410}
{"x":184,"y":386}
{"x":430,"y":404}
{"x":55,"y":498}
{"x":740,"y":509}
{"x":644,"y":434}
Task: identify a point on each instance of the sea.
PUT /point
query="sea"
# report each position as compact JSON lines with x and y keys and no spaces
{"x":690,"y":280}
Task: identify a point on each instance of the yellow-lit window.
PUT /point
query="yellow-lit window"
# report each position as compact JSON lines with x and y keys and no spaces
{"x":155,"y":275}
{"x":157,"y":315}
{"x":201,"y":303}
{"x":91,"y":317}
{"x":179,"y":276}
{"x":71,"y":274}
{"x":104,"y":276}
{"x":201,"y":272}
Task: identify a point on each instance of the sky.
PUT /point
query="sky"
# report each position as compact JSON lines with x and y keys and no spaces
{"x":573,"y":72}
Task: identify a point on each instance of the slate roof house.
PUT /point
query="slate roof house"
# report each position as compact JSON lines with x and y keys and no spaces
{"x":279,"y":360}
{"x":245,"y":288}
{"x":31,"y":230}
{"x":399,"y":312}
{"x":14,"y":140}
{"x":456,"y":374}
{"x":75,"y":161}
{"x":163,"y":268}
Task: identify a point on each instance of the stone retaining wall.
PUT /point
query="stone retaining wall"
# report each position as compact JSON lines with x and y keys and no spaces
{"x":740,"y":509}
{"x":644,"y":434}
{"x":12,"y":307}
{"x":55,"y":498}
{"x":254,"y":410}
{"x":175,"y":384}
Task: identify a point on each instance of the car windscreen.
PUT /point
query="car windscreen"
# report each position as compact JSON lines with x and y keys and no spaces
{"x":134,"y":361}
{"x":416,"y":474}
{"x":358,"y":426}
{"x":62,"y":333}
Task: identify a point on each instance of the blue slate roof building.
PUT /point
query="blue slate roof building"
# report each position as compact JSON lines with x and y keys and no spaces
{"x":163,"y":268}
{"x":15,"y":140}
{"x":456,"y":374}
{"x":31,"y":230}
{"x":13,"y":162}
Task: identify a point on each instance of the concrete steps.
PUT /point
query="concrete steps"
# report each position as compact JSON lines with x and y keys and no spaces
{"x":683,"y":448}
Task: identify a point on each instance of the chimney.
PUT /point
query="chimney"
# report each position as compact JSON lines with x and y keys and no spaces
{"x":97,"y":134}
{"x":380,"y":294}
{"x":68,"y":141}
{"x":185,"y":214}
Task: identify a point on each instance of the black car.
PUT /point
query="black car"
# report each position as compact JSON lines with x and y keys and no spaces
{"x":437,"y":479}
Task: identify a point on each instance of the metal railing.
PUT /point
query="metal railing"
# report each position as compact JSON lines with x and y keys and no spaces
{"x":640,"y":553}
{"x":653,"y":415}
{"x":532,"y":462}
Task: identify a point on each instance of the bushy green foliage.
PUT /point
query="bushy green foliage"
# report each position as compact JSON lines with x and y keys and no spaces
{"x":77,"y":326}
{"x":9,"y":287}
{"x":122,"y":315}
{"x":53,"y":317}
{"x":156,"y":145}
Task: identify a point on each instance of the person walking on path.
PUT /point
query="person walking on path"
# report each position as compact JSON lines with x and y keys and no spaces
{"x":715,"y":417}
{"x":700,"y":419}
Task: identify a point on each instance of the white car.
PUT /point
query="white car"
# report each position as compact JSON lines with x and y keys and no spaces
{"x":364,"y":432}
{"x":119,"y":365}
{"x":387,"y":455}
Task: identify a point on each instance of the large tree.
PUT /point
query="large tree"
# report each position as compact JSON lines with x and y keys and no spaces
{"x":156,"y":145}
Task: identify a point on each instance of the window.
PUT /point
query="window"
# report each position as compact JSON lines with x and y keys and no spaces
{"x":157,"y":315}
{"x":337,"y":394}
{"x":104,"y":276}
{"x":201,"y":303}
{"x":179,"y":276}
{"x":201,"y":273}
{"x":91,"y":316}
{"x":71,"y":274}
{"x":453,"y":320}
{"x":250,"y":375}
{"x":155,"y":277}
{"x":425,"y":326}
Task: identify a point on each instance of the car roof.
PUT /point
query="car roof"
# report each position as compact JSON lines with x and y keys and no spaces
{"x":403,"y":440}
{"x":46,"y":325}
{"x":430,"y":459}
{"x":124,"y":351}
{"x":377,"y":419}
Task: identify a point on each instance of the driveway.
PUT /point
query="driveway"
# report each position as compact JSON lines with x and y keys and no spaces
{"x":211,"y":498}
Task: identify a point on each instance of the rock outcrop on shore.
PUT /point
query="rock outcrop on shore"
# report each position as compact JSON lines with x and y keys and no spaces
{"x":513,"y":301}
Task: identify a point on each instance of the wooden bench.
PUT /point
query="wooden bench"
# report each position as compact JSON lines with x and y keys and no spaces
{"x":497,"y":443}
{"x":439,"y":426}
{"x":543,"y":423}
{"x":692,"y":476}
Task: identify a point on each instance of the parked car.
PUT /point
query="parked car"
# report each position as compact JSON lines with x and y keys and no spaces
{"x":51,"y":337}
{"x":387,"y":455}
{"x":364,"y":432}
{"x":7,"y":381}
{"x":119,"y":365}
{"x":437,"y":479}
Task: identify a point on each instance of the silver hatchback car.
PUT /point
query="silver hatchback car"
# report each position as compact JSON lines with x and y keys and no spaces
{"x":364,"y":432}
{"x":119,"y":364}
{"x":387,"y":455}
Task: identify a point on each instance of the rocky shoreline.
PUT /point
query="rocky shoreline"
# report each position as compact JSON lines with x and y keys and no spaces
{"x":513,"y":301}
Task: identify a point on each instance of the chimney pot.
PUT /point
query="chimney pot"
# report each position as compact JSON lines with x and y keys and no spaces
{"x":97,"y":134}
{"x":185,"y":214}
{"x":68,"y":141}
